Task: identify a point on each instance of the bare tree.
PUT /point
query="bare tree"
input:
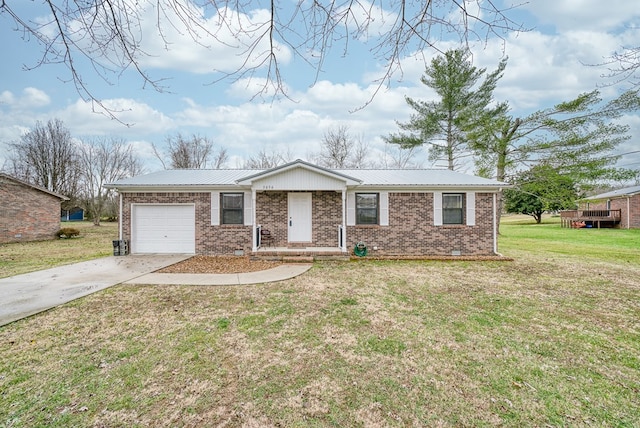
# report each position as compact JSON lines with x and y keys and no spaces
{"x":104,"y":161}
{"x":335,"y":147}
{"x":398,"y":157}
{"x":110,"y":34}
{"x":268,"y":159}
{"x":220,"y":158}
{"x":193,"y":153}
{"x":340,"y":149}
{"x":47,"y":156}
{"x":360,"y":152}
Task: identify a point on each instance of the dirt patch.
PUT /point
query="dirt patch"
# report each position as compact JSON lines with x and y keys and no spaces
{"x":220,"y":264}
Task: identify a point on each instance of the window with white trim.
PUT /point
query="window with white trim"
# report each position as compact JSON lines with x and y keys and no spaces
{"x":453,"y":208}
{"x":367,"y":208}
{"x":231,"y":208}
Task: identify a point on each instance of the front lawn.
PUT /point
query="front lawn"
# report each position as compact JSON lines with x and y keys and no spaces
{"x":550,"y":339}
{"x":93,"y":242}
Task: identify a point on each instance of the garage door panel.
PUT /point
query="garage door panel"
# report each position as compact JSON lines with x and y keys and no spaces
{"x":163,"y":229}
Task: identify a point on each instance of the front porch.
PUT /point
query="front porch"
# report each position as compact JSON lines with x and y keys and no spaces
{"x":590,"y":218}
{"x":300,"y":253}
{"x":299,"y":224}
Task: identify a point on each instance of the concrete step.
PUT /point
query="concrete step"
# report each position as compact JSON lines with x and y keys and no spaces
{"x":297,"y":259}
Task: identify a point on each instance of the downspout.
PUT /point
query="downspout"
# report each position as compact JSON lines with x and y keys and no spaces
{"x":120,"y":219}
{"x":495,"y":224}
{"x":628,"y":212}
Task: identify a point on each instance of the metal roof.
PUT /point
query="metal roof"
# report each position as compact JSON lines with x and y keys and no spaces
{"x":368,"y":177}
{"x":627,"y":191}
{"x":418,"y":177}
{"x":187,"y":177}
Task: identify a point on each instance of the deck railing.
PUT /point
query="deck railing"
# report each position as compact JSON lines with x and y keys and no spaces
{"x":577,"y":218}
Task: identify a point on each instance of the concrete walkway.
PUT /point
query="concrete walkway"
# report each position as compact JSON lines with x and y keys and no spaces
{"x":279,"y":273}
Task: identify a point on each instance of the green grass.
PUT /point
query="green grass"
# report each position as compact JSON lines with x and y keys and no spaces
{"x":592,"y":244}
{"x":93,"y":242}
{"x":549,"y":339}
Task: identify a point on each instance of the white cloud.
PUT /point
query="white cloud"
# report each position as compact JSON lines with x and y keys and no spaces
{"x":179,"y":36}
{"x":591,"y":15}
{"x":34,"y":97}
{"x":259,"y":88}
{"x":31,"y":98}
{"x":189,"y":41}
{"x":7,"y":98}
{"x":298,"y":127}
{"x":84,"y":118}
{"x":543,"y":69}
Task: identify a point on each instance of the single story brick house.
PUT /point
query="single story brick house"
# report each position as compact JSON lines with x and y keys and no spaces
{"x":622,"y":204}
{"x":27,"y":212}
{"x":309,"y":210}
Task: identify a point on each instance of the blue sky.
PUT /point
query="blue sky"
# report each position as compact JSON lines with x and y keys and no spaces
{"x":546,"y":65}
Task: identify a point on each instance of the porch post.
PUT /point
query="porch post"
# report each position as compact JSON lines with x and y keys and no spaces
{"x":495,"y":223}
{"x":254,"y":238}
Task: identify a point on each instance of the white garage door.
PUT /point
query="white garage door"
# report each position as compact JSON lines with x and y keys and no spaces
{"x":163,"y":229}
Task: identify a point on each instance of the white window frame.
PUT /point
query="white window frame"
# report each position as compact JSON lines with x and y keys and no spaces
{"x":469,"y":201}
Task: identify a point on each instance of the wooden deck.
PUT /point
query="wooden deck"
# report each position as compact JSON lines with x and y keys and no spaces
{"x":590,"y":218}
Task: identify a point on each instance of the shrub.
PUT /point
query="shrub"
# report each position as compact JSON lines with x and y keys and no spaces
{"x":67,"y":232}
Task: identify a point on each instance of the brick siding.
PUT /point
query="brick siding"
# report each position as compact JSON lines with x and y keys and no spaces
{"x":210,"y":240}
{"x":272,"y":214}
{"x":27,"y":214}
{"x":410,"y":231}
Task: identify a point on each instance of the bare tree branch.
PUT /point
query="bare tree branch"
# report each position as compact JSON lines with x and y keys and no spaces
{"x":623,"y":66}
{"x":110,"y":35}
{"x":266,"y":159}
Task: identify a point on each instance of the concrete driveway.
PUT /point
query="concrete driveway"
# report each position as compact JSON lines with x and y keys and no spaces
{"x":30,"y":293}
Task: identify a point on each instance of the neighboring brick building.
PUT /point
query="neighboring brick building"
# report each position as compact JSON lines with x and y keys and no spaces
{"x":27,"y":212}
{"x":310,"y":210}
{"x":626,"y":200}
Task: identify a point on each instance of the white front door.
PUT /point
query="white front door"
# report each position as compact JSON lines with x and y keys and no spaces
{"x":299,"y":217}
